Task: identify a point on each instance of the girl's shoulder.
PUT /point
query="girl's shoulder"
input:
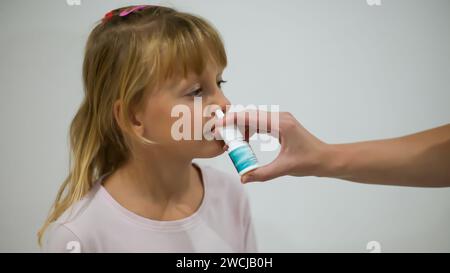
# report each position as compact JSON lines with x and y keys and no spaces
{"x":63,"y":235}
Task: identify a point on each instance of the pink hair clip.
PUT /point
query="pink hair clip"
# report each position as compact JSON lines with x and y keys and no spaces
{"x":131,"y":10}
{"x":125,"y":12}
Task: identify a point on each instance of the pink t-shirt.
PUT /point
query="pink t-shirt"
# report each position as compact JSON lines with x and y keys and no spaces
{"x":98,"y":223}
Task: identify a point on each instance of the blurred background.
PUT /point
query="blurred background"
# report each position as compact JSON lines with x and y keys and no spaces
{"x":348,"y":71}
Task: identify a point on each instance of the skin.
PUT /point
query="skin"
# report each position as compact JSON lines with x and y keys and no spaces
{"x":159,"y":181}
{"x":420,"y":160}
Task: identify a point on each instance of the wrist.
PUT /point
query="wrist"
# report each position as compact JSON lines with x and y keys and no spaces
{"x":333,"y":161}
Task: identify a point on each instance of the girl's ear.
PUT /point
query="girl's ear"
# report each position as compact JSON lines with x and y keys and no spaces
{"x":137,"y":124}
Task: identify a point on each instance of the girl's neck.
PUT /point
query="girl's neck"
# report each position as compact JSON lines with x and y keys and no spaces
{"x":157,"y":176}
{"x":161,"y":189}
{"x":158,"y":179}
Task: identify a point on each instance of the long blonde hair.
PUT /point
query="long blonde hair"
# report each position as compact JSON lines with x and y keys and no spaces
{"x":125,"y":56}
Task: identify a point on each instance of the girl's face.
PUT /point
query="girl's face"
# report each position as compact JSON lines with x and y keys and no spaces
{"x":156,"y":120}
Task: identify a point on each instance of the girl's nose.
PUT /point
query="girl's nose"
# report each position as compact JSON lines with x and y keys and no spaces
{"x":222,"y":101}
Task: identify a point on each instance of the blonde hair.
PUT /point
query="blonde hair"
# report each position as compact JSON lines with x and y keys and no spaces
{"x":124,"y":57}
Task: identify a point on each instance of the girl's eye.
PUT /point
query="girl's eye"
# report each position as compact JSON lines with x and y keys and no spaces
{"x":199,"y":92}
{"x":219,"y":83}
{"x":196,"y":93}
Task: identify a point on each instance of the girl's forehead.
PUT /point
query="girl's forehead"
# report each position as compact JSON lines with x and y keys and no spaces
{"x":210,"y":70}
{"x":178,"y":80}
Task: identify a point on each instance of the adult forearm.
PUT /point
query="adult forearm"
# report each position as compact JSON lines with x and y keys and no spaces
{"x":421,"y":159}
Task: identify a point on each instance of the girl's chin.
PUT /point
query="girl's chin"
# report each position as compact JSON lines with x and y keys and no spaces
{"x":211,"y":148}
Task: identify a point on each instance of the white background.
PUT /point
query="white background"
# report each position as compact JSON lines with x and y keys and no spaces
{"x":348,"y":72}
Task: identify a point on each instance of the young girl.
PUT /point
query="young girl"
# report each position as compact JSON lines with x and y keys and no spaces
{"x":132,"y":187}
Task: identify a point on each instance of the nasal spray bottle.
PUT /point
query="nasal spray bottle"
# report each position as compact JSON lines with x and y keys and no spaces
{"x":239,"y":150}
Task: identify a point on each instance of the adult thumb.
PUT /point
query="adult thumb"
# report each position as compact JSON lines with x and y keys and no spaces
{"x":270,"y":171}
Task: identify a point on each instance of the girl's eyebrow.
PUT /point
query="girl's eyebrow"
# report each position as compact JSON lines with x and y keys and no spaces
{"x":185,"y":84}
